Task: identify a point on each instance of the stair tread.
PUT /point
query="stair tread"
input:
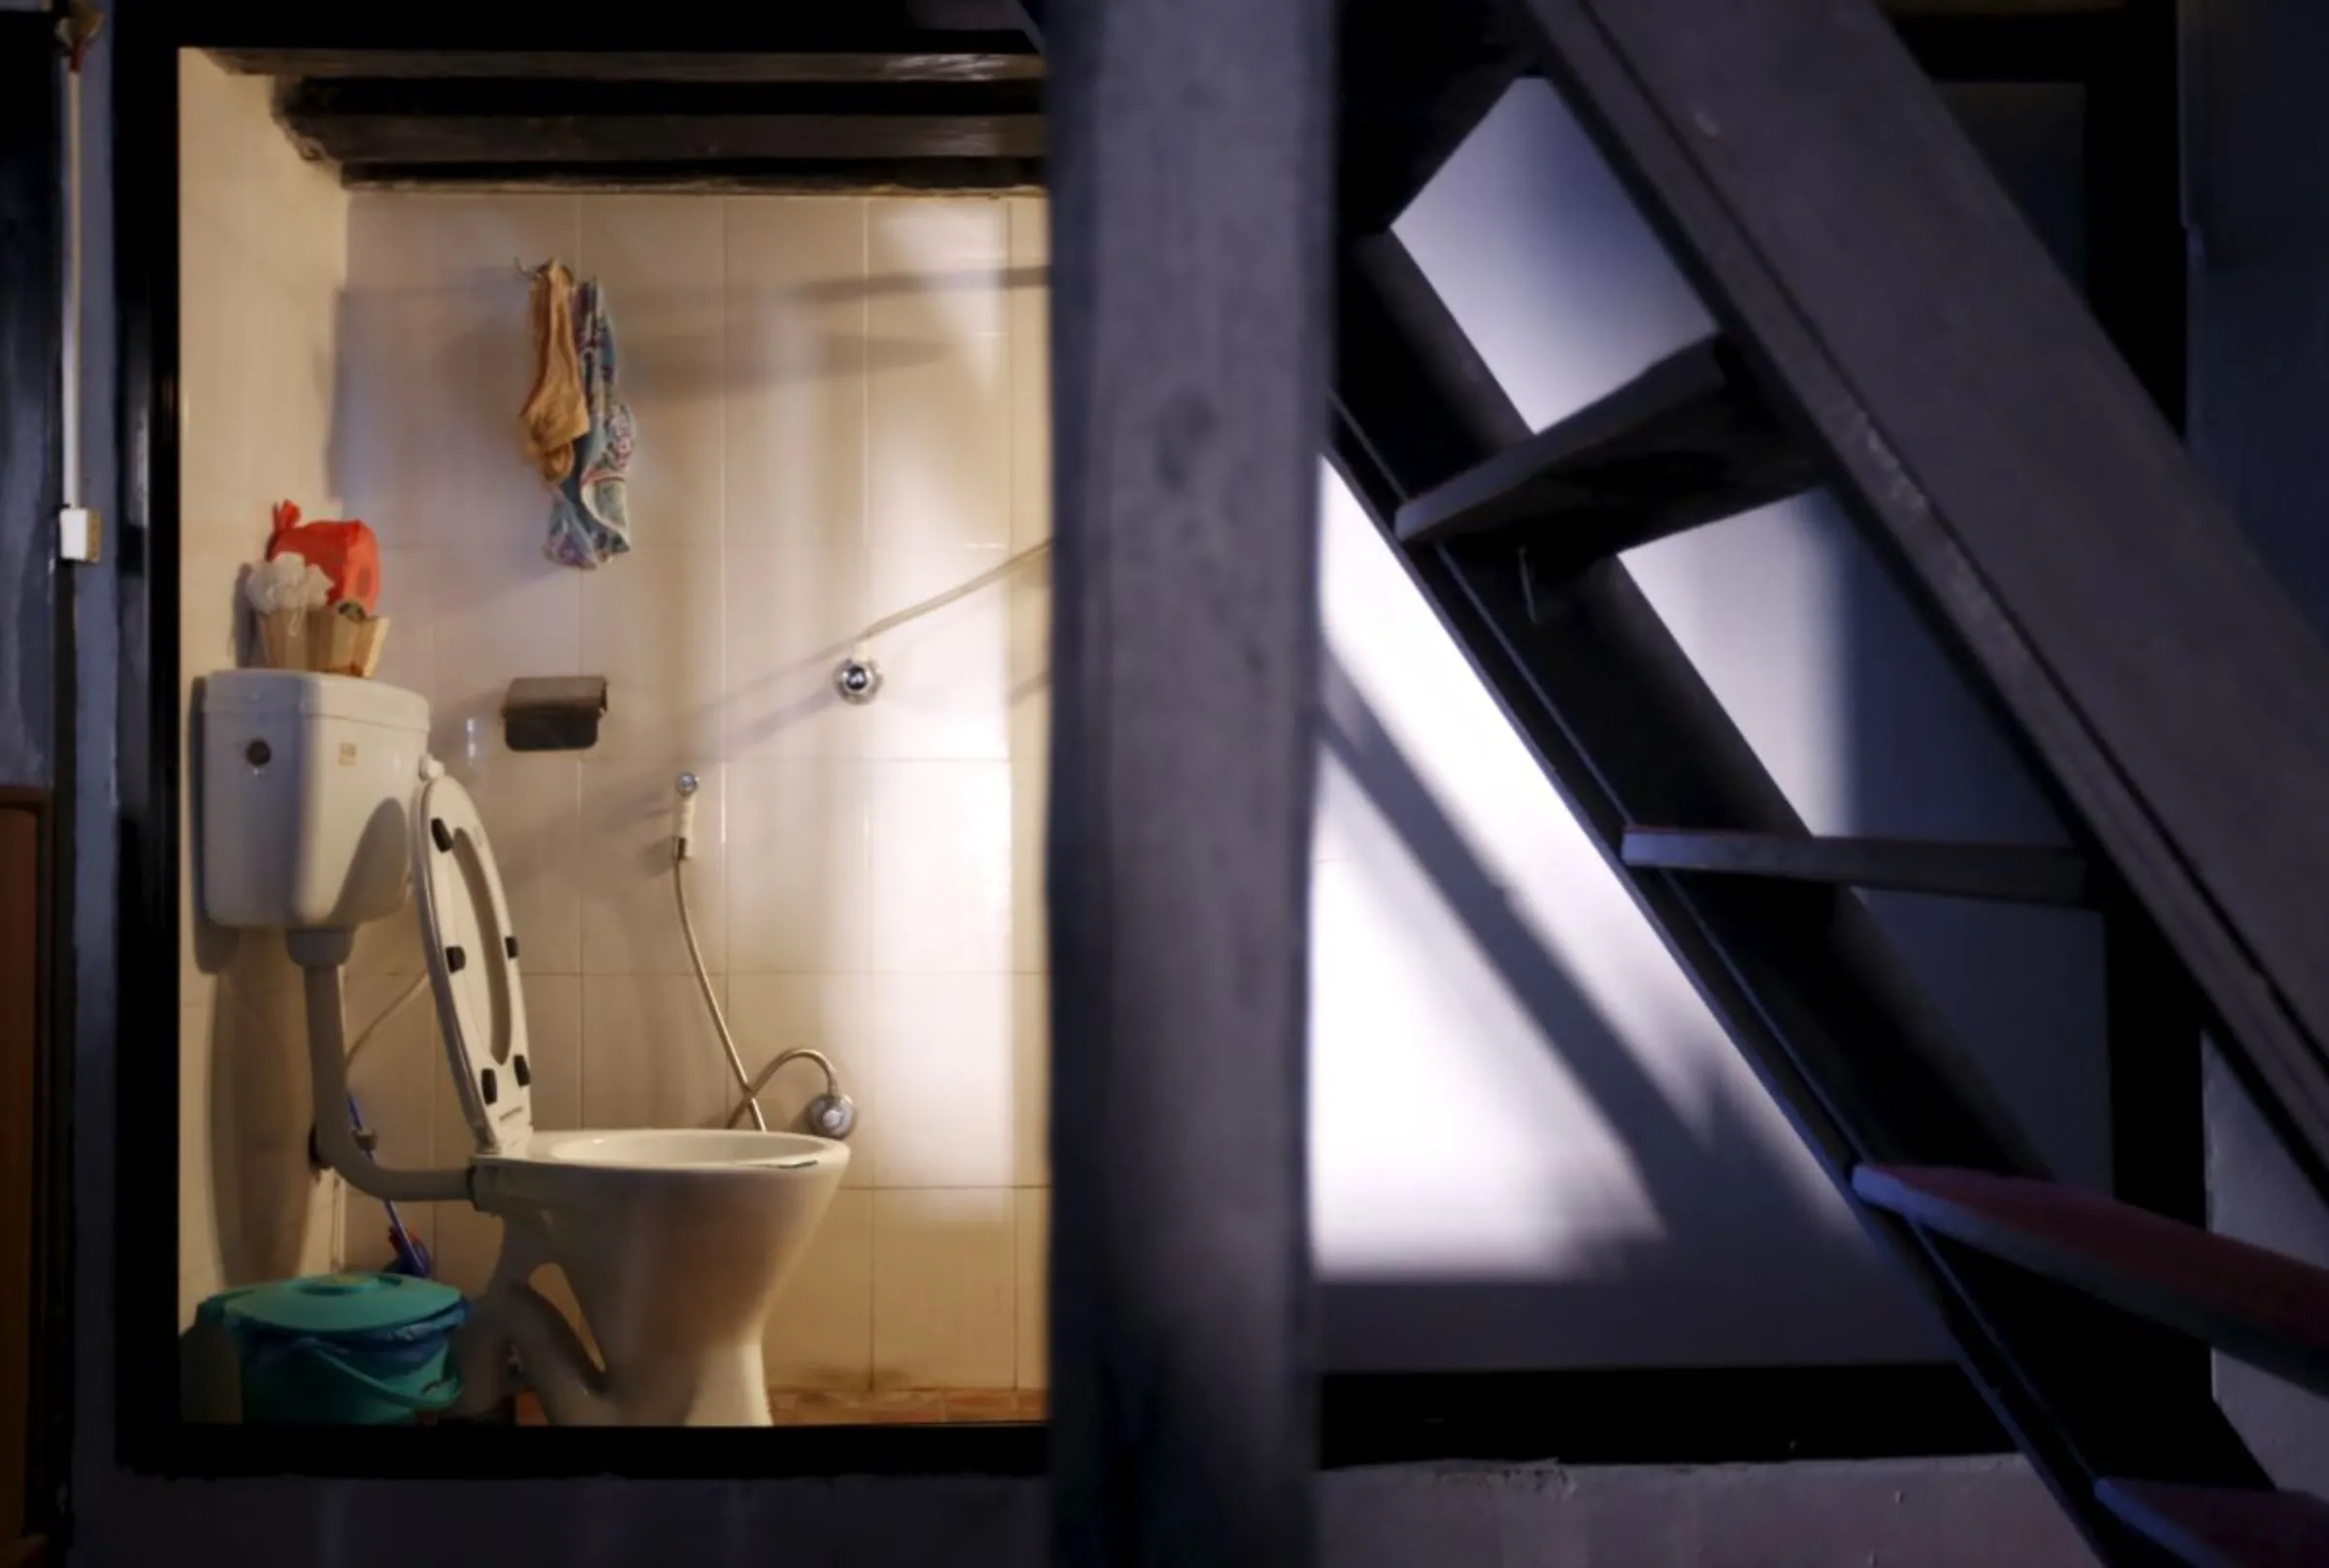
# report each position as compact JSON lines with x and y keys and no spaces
{"x":1687,"y":441}
{"x":2221,"y":1527}
{"x":2014,"y":873}
{"x":2258,"y":1305}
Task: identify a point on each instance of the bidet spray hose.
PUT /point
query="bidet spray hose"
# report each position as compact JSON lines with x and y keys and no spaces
{"x":683,"y":833}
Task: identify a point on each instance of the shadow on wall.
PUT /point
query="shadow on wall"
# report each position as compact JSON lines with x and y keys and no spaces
{"x":272,"y":1209}
{"x":1716,"y":1194}
{"x":735,"y":378}
{"x":254,"y":1209}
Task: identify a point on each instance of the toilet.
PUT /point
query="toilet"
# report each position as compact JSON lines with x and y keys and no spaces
{"x":321,"y":810}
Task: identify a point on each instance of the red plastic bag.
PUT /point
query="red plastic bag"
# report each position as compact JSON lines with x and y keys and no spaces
{"x":346,"y":552}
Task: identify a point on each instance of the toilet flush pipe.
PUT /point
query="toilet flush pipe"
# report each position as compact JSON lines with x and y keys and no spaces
{"x":320,"y":954}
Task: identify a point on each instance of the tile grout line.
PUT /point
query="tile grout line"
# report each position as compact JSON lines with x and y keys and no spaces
{"x":865,"y":826}
{"x":1010,"y":1316}
{"x":721,"y":727}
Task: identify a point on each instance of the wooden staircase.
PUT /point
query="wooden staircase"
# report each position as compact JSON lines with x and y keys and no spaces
{"x":2033,"y":502}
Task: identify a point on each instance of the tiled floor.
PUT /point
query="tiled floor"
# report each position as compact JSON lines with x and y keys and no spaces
{"x":889,"y":1407}
{"x":898,"y":1406}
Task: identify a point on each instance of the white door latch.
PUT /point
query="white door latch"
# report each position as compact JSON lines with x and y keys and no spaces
{"x":80,"y":534}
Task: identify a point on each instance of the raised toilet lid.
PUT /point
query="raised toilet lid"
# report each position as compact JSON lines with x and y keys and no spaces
{"x":472,"y":964}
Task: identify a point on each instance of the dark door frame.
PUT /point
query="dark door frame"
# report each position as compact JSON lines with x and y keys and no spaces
{"x":36,"y":745}
{"x":1694,"y":1415}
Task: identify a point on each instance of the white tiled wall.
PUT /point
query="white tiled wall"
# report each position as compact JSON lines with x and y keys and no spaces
{"x":263,"y":243}
{"x":840,"y":412}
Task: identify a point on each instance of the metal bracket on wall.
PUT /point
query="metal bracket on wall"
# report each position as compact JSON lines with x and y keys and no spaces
{"x":80,"y":534}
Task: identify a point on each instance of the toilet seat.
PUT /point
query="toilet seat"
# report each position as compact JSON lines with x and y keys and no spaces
{"x":674,"y":1241}
{"x":472,"y":949}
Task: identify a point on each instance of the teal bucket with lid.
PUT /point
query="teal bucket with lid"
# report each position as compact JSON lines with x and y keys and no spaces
{"x":344,"y":1350}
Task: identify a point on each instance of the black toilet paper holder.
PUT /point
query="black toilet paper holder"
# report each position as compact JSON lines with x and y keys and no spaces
{"x":553,"y":712}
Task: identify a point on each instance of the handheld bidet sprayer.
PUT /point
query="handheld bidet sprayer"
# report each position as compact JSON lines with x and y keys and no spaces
{"x":683,"y":819}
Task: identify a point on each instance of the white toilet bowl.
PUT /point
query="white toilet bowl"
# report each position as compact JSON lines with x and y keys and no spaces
{"x":675,"y":1243}
{"x":675,"y":1240}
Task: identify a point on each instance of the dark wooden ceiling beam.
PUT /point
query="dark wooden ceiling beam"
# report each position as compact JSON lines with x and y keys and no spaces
{"x":948,"y":65}
{"x":526,"y":26}
{"x":698,"y":139}
{"x":411,"y":123}
{"x":513,"y":98}
{"x":727,"y":176}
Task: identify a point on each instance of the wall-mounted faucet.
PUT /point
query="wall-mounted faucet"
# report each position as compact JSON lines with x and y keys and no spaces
{"x":857,"y":680}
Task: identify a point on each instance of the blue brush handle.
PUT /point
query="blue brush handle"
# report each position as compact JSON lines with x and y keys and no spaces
{"x":411,"y":1255}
